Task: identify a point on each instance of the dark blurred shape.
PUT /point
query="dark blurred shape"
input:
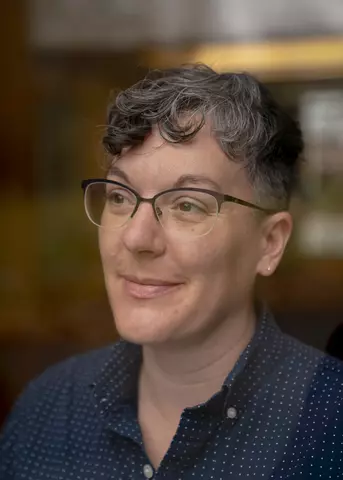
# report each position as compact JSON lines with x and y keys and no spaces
{"x":16,"y":92}
{"x":334,"y":346}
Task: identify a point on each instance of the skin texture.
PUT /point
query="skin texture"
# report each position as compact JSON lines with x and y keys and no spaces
{"x":194,"y":333}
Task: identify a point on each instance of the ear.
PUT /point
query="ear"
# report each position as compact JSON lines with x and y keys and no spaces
{"x":275,"y":233}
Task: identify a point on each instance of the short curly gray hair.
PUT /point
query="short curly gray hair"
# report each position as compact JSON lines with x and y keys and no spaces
{"x":248,"y":123}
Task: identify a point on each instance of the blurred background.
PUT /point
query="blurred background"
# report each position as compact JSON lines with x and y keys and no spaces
{"x":61,"y":62}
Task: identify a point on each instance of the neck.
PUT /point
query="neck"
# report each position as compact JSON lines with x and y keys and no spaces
{"x":174,"y":377}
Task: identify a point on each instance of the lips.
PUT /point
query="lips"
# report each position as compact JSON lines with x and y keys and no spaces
{"x":145,"y":288}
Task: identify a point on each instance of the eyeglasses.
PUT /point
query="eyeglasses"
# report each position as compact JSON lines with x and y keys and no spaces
{"x":182,"y":212}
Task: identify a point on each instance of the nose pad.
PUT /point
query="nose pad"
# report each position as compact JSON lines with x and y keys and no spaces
{"x":158,"y":212}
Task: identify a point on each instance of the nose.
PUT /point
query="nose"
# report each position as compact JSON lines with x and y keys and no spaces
{"x":143,"y":233}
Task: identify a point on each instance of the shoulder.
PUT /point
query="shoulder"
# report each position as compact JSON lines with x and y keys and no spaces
{"x":324,"y":373}
{"x":61,"y":385}
{"x":48,"y":407}
{"x":302,"y":352}
{"x":77,"y":371}
{"x":69,"y":376}
{"x":316,"y":390}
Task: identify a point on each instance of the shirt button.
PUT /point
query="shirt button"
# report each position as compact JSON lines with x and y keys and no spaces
{"x":148,"y":471}
{"x":231,"y":412}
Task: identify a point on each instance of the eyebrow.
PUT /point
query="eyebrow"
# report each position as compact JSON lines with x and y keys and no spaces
{"x":196,"y":180}
{"x":184,"y":180}
{"x":118,"y":172}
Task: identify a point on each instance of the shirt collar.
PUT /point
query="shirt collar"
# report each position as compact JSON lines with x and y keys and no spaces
{"x":266,"y":331}
{"x":116,"y":384}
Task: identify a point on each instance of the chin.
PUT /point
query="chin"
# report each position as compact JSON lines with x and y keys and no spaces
{"x":148,"y":321}
{"x":144,"y":327}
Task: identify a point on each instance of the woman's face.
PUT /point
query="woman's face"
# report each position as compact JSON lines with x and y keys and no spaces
{"x":162,"y":289}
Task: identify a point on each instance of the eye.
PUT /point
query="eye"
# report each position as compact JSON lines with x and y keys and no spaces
{"x":118,"y":197}
{"x":188,"y":207}
{"x":115,"y":197}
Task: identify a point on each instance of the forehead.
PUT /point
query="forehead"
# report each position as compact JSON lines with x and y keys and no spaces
{"x":158,"y":164}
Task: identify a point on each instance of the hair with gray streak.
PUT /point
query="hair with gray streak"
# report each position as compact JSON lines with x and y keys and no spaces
{"x":248,"y":124}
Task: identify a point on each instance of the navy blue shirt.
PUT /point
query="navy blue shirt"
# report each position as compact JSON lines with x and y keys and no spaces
{"x":278,"y":415}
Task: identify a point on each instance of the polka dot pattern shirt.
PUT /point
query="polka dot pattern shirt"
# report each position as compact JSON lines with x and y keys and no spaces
{"x":278,"y":415}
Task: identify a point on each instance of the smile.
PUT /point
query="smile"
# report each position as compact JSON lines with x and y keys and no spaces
{"x":145,"y":290}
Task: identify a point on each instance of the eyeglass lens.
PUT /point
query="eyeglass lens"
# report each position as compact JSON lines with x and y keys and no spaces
{"x":180,"y":212}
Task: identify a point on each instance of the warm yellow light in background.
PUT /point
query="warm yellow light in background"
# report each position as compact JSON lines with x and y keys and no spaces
{"x":311,"y":57}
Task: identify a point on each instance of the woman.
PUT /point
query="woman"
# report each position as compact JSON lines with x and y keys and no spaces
{"x":203,"y":384}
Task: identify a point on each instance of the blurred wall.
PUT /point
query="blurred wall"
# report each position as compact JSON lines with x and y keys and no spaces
{"x":53,"y":110}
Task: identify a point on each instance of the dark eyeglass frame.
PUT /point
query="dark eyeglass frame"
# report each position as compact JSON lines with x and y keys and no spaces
{"x":220,"y":197}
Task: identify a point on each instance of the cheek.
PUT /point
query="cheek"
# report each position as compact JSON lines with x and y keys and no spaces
{"x":103,"y":245}
{"x":241,"y":256}
{"x":225,"y":255}
{"x":203,"y":258}
{"x":108,"y":246}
